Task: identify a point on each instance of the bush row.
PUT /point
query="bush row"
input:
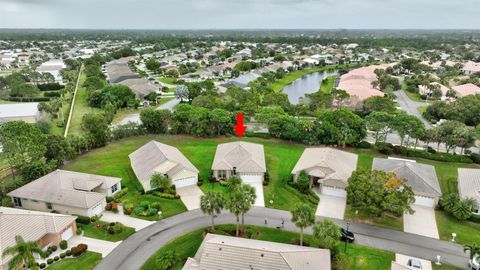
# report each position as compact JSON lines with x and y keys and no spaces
{"x":388,"y":149}
{"x":50,"y":86}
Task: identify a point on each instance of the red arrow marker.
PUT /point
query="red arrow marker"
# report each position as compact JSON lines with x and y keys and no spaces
{"x":240,"y":128}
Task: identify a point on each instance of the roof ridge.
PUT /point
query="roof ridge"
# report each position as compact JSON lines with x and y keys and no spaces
{"x":423,"y":179}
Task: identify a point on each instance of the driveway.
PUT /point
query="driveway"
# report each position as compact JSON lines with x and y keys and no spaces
{"x":411,"y":107}
{"x":129,"y":221}
{"x":190,"y":196}
{"x":422,"y":222}
{"x":260,"y":201}
{"x":331,"y":206}
{"x":96,"y":245}
{"x":403,"y":260}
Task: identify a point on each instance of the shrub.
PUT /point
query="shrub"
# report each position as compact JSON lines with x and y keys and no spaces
{"x":117,"y":197}
{"x":48,"y":253}
{"x":384,"y":148}
{"x":199,"y":183}
{"x":364,"y":145}
{"x":42,"y":265}
{"x":83,"y":220}
{"x":111,"y":230}
{"x":109,"y":199}
{"x":50,"y":261}
{"x":165,"y":195}
{"x":145,"y":204}
{"x":94,"y":219}
{"x":68,"y":252}
{"x":63,"y":244}
{"x":400,"y":150}
{"x":475,"y":158}
{"x":62,"y":255}
{"x":156,"y":205}
{"x":79,"y":250}
{"x":54,"y":248}
{"x":127,"y":208}
{"x":445,"y":157}
{"x":475,"y":218}
{"x":108,"y":207}
{"x":56,"y":258}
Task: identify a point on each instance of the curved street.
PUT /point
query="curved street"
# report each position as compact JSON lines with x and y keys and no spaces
{"x":135,"y":250}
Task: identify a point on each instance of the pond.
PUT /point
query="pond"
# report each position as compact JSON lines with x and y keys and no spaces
{"x":307,"y":84}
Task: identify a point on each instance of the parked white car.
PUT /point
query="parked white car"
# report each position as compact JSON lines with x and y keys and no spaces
{"x":475,"y":262}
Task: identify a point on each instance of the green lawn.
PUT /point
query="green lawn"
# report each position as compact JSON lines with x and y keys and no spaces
{"x":467,"y":231}
{"x":93,"y":230}
{"x":414,"y":96}
{"x":164,"y":100}
{"x":85,"y":262}
{"x":388,"y":221}
{"x":362,"y":258}
{"x":112,"y":160}
{"x":80,"y":108}
{"x":2,"y":101}
{"x":167,"y":80}
{"x":328,"y":84}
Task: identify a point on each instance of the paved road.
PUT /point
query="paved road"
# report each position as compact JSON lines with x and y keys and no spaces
{"x":411,"y":107}
{"x":135,"y":250}
{"x":135,"y":117}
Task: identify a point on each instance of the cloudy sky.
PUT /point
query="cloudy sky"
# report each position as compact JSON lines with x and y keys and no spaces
{"x":234,"y":14}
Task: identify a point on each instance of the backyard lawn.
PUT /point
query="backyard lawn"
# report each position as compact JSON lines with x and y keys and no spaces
{"x":95,"y":230}
{"x":112,"y":160}
{"x":362,"y":258}
{"x":85,"y":262}
{"x":167,"y":80}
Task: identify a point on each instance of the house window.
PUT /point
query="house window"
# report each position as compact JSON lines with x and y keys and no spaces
{"x":49,"y":206}
{"x":222,"y":174}
{"x":17,"y":202}
{"x":114,"y":188}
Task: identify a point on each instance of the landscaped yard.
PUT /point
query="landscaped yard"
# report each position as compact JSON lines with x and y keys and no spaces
{"x":388,"y":221}
{"x":167,"y":80}
{"x":96,"y":230}
{"x":86,"y":261}
{"x":112,"y":160}
{"x":467,"y":232}
{"x":362,"y":258}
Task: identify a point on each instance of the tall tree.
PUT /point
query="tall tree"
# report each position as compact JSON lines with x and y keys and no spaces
{"x":249,"y":196}
{"x":303,"y":216}
{"x":211,"y":203}
{"x":234,"y":204}
{"x":23,"y":254}
{"x":327,"y":233}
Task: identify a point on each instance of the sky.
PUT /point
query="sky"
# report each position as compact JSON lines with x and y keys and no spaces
{"x":240,"y":14}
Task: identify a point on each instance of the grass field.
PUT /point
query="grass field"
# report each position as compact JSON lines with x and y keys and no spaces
{"x":167,"y":80}
{"x":467,"y":231}
{"x":361,"y":258}
{"x":2,"y":101}
{"x":85,"y":262}
{"x":328,"y":84}
{"x":94,"y":230}
{"x":80,"y":108}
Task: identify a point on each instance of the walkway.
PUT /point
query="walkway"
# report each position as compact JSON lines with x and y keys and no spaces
{"x":135,"y":250}
{"x":129,"y":221}
{"x":411,"y":107}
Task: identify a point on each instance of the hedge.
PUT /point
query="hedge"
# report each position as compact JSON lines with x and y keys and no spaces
{"x":445,"y":157}
{"x":257,"y":134}
{"x":34,"y":99}
{"x":50,"y":86}
{"x":475,"y":218}
{"x":117,"y":197}
{"x":51,"y":94}
{"x":83,"y":220}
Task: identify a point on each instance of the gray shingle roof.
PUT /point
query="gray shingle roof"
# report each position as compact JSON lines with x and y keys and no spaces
{"x":469,"y":183}
{"x":219,"y":252}
{"x":150,"y":156}
{"x":118,"y":71}
{"x":421,"y":177}
{"x":66,"y":188}
{"x":246,"y":157}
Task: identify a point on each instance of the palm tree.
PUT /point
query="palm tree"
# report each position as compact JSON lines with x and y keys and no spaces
{"x":22,"y":253}
{"x":234,"y":204}
{"x":166,"y":260}
{"x":327,"y":232}
{"x":249,"y":196}
{"x":449,"y":201}
{"x":233,"y":183}
{"x":303,"y":216}
{"x":211,"y":203}
{"x":473,"y":248}
{"x":463,"y":209}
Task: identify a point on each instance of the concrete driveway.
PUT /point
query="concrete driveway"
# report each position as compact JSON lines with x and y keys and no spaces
{"x":411,"y":107}
{"x":403,"y":260}
{"x":422,"y":222}
{"x":331,"y":206}
{"x":96,"y":245}
{"x":129,"y":221}
{"x":190,"y":196}
{"x":260,"y":201}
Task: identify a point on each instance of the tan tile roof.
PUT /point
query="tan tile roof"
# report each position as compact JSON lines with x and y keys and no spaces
{"x":150,"y":156}
{"x":327,"y":163}
{"x":246,"y":157}
{"x":469,"y":183}
{"x":466,"y":89}
{"x":31,"y":225}
{"x":66,"y":188}
{"x":225,"y":252}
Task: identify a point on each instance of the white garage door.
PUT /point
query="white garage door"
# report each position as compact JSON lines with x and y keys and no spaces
{"x":425,"y":201}
{"x":97,"y":210}
{"x":251,"y":178}
{"x":186,"y":182}
{"x":332,"y":191}
{"x":67,"y":234}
